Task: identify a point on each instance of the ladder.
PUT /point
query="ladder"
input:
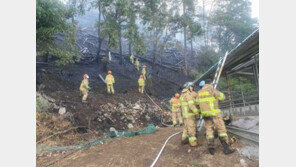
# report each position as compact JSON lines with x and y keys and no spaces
{"x":220,"y":66}
{"x":219,"y":70}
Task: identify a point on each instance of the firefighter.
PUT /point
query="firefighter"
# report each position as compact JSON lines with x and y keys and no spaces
{"x":176,"y":109}
{"x":141,"y":82}
{"x":187,"y":105}
{"x":137,"y":63}
{"x":84,"y":88}
{"x":201,"y":84}
{"x":132,"y":58}
{"x":208,"y":102}
{"x":144,"y":72}
{"x":193,"y":94}
{"x":109,"y":80}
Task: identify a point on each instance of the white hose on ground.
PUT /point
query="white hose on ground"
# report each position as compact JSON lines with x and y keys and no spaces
{"x":154,"y":162}
{"x":159,"y":108}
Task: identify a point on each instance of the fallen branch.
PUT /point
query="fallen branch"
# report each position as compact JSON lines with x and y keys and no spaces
{"x":59,"y":133}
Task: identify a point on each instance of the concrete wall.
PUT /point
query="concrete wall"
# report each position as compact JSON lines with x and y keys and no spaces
{"x":252,"y":110}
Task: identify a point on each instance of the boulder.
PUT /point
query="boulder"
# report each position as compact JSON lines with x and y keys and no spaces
{"x":137,"y":107}
{"x":130,"y":126}
{"x":62,"y":111}
{"x":112,"y":129}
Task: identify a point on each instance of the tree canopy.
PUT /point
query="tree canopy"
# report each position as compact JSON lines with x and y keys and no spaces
{"x":55,"y":35}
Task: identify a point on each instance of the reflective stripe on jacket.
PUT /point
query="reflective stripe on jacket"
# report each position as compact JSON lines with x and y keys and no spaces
{"x":141,"y":82}
{"x":176,"y":104}
{"x":184,"y":105}
{"x":84,"y":85}
{"x":208,"y":98}
{"x":109,"y":79}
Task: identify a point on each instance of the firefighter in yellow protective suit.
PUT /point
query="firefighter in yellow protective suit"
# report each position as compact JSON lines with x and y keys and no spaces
{"x":208,"y":98}
{"x":141,"y":82}
{"x":109,"y":80}
{"x":132,"y":58}
{"x":84,"y":88}
{"x":144,"y":72}
{"x":193,"y":93}
{"x":137,"y":63}
{"x":190,"y":113}
{"x":176,"y":109}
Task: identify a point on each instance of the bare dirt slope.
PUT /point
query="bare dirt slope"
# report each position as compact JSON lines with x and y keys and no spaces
{"x":142,"y":150}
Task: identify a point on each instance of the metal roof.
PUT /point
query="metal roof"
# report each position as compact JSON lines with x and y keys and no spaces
{"x":241,"y":55}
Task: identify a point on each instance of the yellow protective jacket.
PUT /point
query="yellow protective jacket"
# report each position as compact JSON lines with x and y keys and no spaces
{"x":84,"y":85}
{"x":194,"y":96}
{"x":109,"y":79}
{"x":141,"y":82}
{"x":190,"y":97}
{"x":208,"y":98}
{"x":144,"y":71}
{"x":132,"y":57}
{"x":185,"y":98}
{"x":137,"y":63}
{"x":175,"y":104}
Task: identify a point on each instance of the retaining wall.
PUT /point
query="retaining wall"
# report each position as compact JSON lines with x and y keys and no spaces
{"x":251,"y":110}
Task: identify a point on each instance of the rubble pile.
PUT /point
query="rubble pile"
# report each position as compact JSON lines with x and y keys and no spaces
{"x":128,"y":115}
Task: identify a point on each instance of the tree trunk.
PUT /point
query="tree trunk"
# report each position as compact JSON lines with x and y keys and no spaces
{"x":129,"y":48}
{"x":185,"y":45}
{"x":99,"y":34}
{"x":191,"y":47}
{"x":155,"y":48}
{"x":203,"y":22}
{"x":108,"y":49}
{"x":120,"y":45}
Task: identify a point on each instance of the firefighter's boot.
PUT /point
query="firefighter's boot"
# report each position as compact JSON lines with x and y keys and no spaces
{"x":185,"y":141}
{"x":211,"y":146}
{"x":226,"y":148}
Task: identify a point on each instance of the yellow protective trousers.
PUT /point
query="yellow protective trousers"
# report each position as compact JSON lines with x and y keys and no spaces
{"x":141,"y":89}
{"x":176,"y":116}
{"x":217,"y":123}
{"x":190,"y":130}
{"x":110,"y":88}
{"x":85,"y":94}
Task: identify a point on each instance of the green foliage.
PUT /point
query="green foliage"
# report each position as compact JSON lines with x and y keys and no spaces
{"x":238,"y":83}
{"x":51,"y":22}
{"x":110,"y":30}
{"x":195,"y":74}
{"x":38,"y":104}
{"x":232,"y":23}
{"x":195,"y":30}
{"x":115,"y":12}
{"x":207,"y":57}
{"x":139,"y":46}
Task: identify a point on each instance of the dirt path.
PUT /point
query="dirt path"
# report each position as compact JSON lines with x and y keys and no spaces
{"x":142,"y":150}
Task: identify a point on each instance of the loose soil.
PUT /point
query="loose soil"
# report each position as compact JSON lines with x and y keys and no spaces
{"x":142,"y":150}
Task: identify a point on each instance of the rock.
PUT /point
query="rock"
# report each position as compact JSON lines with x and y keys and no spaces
{"x":112,"y":129}
{"x":147,"y":117}
{"x":189,"y":151}
{"x":62,"y":111}
{"x":130,"y":126}
{"x":137,"y":107}
{"x":243,"y":163}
